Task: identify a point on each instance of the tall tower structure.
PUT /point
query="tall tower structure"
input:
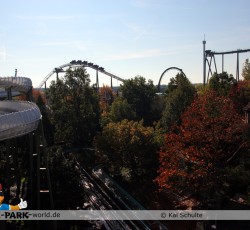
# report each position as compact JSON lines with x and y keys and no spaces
{"x":204,"y":61}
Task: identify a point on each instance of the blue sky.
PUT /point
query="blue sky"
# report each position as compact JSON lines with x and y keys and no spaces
{"x":126,"y":37}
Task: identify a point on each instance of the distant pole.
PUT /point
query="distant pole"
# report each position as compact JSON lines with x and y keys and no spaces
{"x":111,"y":83}
{"x":237,"y":69}
{"x":222,"y":63}
{"x":15,"y":72}
{"x":204,"y":61}
{"x":97,"y":81}
{"x":57,"y":71}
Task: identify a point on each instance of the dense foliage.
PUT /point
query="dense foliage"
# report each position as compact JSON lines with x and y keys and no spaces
{"x":65,"y":180}
{"x":180,"y":94}
{"x":195,"y":154}
{"x":221,"y":83}
{"x":74,"y":108}
{"x":121,"y":110}
{"x":240,"y":94}
{"x":246,"y":70}
{"x":139,"y":93}
{"x":129,"y":150}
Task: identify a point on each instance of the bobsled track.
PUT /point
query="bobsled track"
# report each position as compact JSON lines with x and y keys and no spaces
{"x":17,"y":118}
{"x":23,"y":119}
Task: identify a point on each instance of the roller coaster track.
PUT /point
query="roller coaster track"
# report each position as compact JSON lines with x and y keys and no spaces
{"x":79,"y":63}
{"x":102,"y":200}
{"x":17,"y":118}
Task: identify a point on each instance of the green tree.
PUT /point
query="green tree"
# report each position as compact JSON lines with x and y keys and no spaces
{"x":157,"y":108}
{"x":64,"y":179}
{"x":129,"y":150}
{"x":221,"y":83}
{"x":180,"y":94}
{"x":74,"y":108}
{"x":246,"y":70}
{"x":139,"y":94}
{"x":47,"y":126}
{"x":121,"y":110}
{"x":240,"y":94}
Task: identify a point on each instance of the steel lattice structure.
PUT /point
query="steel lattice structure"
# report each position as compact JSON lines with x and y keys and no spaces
{"x":209,"y":57}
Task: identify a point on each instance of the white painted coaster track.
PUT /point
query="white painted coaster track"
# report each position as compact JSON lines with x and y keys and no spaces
{"x":17,"y":118}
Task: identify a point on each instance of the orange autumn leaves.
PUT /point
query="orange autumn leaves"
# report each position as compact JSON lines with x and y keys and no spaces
{"x":195,"y":152}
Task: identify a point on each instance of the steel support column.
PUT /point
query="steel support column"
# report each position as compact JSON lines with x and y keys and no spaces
{"x":222,"y":63}
{"x":237,"y":69}
{"x":204,"y":62}
{"x":215,"y":65}
{"x":97,"y":80}
{"x":9,"y":94}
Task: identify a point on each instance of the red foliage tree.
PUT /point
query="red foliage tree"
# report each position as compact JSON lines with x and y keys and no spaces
{"x":38,"y":93}
{"x":106,"y":97}
{"x":194,"y":154}
{"x":240,"y":94}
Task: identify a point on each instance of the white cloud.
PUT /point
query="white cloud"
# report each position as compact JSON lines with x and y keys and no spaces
{"x":2,"y":34}
{"x":40,"y":29}
{"x":140,"y":3}
{"x":140,"y":54}
{"x":81,"y":47}
{"x":47,"y":17}
{"x":41,"y":23}
{"x":3,"y":54}
{"x":74,"y":44}
{"x":57,"y":43}
{"x":140,"y":32}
